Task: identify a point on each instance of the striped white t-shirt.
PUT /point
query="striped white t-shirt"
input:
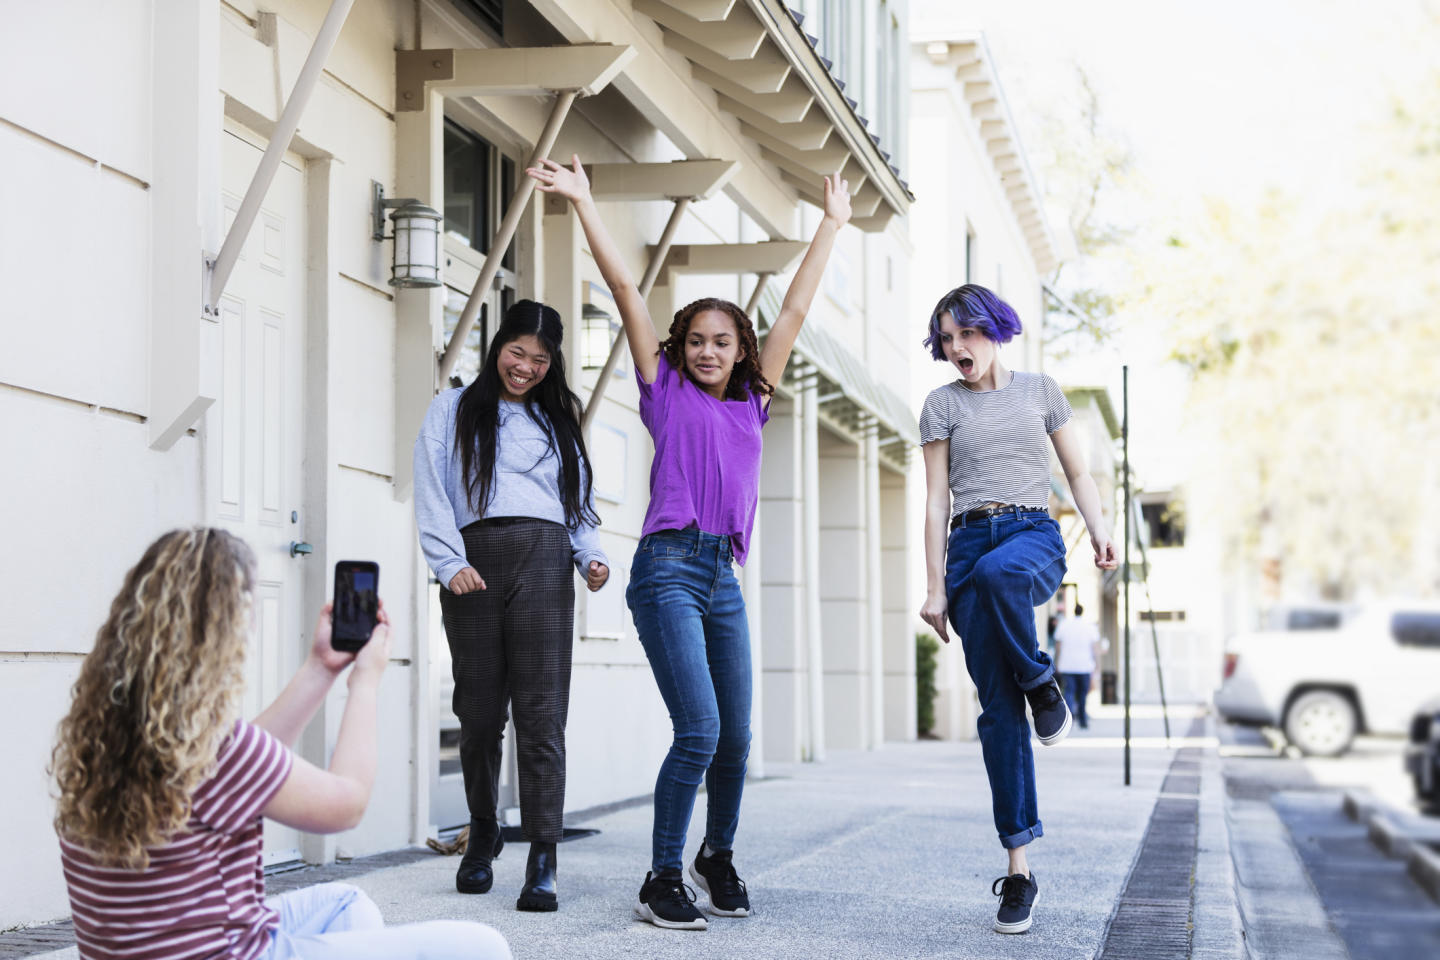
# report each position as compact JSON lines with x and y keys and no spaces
{"x":203,"y":894}
{"x":998,"y":448}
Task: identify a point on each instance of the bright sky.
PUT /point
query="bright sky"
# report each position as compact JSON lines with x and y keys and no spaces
{"x":1226,"y":99}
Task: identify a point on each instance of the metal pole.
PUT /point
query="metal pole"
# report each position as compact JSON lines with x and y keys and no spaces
{"x":761,"y":281}
{"x":1154,"y":633}
{"x":647,"y":283}
{"x":505,"y":234}
{"x":275,"y":152}
{"x":1125,"y":448}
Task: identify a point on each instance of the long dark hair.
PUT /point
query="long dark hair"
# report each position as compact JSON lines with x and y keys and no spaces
{"x":478,"y":415}
{"x":746,"y":377}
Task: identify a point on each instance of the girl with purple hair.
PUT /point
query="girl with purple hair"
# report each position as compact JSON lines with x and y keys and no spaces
{"x":987,"y":473}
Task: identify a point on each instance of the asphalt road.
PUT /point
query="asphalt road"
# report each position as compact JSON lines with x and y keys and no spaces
{"x":1310,"y":881}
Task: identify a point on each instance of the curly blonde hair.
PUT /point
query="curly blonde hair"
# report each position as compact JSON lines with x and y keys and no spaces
{"x":746,"y":377}
{"x":156,"y":696}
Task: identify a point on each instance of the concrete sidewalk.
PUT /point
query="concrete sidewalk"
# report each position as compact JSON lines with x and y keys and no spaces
{"x":883,"y":854}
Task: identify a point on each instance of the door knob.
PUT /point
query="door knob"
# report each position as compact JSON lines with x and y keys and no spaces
{"x":299,"y":549}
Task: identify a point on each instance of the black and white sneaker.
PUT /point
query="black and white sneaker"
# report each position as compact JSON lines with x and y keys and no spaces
{"x":667,"y":901}
{"x":1052,"y":716}
{"x":714,"y":873}
{"x":1017,"y":896}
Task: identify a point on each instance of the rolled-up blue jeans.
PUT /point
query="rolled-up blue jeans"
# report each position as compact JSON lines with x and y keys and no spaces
{"x":691,"y":619}
{"x":996,"y":572}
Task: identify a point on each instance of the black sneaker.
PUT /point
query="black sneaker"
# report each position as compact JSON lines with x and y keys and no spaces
{"x":1052,"y":716}
{"x":1017,"y":896}
{"x":714,"y":873}
{"x":666,"y":901}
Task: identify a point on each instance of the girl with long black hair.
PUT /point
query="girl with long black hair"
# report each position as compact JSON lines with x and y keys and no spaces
{"x":504,"y":507}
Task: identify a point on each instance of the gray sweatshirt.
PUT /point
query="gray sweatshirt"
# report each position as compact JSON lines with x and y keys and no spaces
{"x":526,"y":484}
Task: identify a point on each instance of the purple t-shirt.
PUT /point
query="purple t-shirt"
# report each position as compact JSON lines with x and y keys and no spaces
{"x":706,"y":471}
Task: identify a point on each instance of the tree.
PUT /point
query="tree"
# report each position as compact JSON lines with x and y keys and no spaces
{"x":1311,"y":331}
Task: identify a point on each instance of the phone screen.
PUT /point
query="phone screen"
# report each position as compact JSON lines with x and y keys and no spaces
{"x":357,"y":601}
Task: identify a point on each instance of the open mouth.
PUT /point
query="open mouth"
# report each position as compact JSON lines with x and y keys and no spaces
{"x":966,"y":364}
{"x":521,"y":382}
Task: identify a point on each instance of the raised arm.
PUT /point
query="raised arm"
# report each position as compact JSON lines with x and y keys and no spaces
{"x":573,"y":185}
{"x":781,"y":338}
{"x":937,"y":517}
{"x":328,"y":801}
{"x":1087,"y":497}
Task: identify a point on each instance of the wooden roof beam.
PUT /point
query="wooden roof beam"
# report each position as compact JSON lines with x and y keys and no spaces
{"x":765,"y":72}
{"x":830,"y":158}
{"x":768,"y":256}
{"x":812,"y":133}
{"x":736,"y":38}
{"x":585,"y":68}
{"x":789,"y":105}
{"x":695,"y":179}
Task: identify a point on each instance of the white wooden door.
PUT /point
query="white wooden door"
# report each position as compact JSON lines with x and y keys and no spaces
{"x":255,"y":432}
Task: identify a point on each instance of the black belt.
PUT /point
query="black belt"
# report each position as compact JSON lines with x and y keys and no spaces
{"x":985,"y":513}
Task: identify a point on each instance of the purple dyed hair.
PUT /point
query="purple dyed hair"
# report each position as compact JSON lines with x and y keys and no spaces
{"x":973,"y":306}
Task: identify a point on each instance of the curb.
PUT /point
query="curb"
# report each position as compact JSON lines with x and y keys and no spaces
{"x":1425,"y":869}
{"x":1385,"y":834}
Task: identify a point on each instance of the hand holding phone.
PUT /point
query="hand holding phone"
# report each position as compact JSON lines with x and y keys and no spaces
{"x":356,"y":607}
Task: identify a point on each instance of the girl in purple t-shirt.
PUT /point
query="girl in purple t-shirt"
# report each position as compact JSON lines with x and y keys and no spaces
{"x":704,"y":395}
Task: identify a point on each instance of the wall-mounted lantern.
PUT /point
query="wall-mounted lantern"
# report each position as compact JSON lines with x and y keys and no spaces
{"x":416,"y":232}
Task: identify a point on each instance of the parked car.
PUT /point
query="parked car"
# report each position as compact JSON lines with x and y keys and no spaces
{"x":1422,"y":754}
{"x":1366,"y":673}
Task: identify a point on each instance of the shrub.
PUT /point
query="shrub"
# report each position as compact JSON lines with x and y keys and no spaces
{"x":927,"y":649}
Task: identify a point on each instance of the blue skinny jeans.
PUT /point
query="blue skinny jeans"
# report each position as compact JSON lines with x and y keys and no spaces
{"x":691,"y":619}
{"x":996,"y":572}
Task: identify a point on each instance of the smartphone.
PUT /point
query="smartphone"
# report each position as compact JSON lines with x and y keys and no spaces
{"x":357,"y":603}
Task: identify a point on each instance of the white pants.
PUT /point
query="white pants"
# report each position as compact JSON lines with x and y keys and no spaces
{"x":335,"y":921}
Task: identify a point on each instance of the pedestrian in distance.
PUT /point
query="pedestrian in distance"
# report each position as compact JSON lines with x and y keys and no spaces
{"x":504,"y":506}
{"x":987,"y":473}
{"x":163,"y":787}
{"x":704,"y":396}
{"x":1077,"y":658}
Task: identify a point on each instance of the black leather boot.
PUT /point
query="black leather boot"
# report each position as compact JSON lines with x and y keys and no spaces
{"x":538,"y":894}
{"x":485,"y":844}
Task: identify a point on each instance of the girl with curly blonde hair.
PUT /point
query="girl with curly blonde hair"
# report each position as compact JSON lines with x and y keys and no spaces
{"x":162,"y":787}
{"x":704,"y":396}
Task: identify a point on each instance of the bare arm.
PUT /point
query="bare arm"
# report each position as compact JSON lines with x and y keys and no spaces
{"x":328,"y":801}
{"x":573,"y":185}
{"x":781,"y":338}
{"x":1087,"y":497}
{"x":937,"y":518}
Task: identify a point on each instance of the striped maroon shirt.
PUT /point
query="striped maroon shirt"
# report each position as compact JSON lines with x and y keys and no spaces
{"x":203,"y":894}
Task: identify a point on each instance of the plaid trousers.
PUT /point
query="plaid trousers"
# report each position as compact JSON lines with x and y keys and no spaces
{"x":511,"y":644}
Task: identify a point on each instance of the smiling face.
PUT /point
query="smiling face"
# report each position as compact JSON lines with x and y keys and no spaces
{"x":968,"y":349}
{"x":712,"y":348}
{"x":522,"y":364}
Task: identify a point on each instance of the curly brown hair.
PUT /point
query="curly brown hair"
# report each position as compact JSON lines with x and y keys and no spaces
{"x":156,"y":696}
{"x":745,"y":378}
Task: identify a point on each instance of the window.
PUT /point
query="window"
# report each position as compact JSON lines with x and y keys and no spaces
{"x":1302,"y":618}
{"x":1165,"y":524}
{"x":489,"y":14}
{"x":1416,"y":629}
{"x":478,"y":182}
{"x":835,"y":36}
{"x":888,"y":95}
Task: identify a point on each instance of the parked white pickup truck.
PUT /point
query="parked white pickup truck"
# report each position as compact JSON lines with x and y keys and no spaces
{"x":1365,"y":670}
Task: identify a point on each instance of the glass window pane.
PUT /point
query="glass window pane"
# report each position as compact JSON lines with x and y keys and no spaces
{"x":467,"y":186}
{"x":468,"y":364}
